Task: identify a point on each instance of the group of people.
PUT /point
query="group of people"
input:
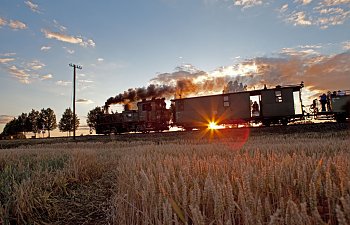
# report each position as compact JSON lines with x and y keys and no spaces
{"x":325,"y":100}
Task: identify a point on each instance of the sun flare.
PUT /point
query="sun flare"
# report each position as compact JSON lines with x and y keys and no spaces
{"x":213,"y":126}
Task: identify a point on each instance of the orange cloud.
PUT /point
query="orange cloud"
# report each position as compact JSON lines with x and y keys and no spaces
{"x":69,"y":39}
{"x":3,"y":22}
{"x":17,"y":25}
{"x":6,"y":60}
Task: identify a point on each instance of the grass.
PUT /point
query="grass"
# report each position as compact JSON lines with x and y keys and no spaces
{"x":269,"y":177}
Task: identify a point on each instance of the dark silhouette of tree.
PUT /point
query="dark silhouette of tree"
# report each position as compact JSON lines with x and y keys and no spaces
{"x":93,"y":116}
{"x":47,"y":120}
{"x":23,"y":123}
{"x":66,"y":122}
{"x":33,"y":118}
{"x":234,"y":86}
{"x":12,"y":127}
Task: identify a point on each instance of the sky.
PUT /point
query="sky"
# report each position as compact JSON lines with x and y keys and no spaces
{"x":124,"y":45}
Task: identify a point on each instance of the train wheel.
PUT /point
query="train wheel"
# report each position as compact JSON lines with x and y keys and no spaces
{"x":266,"y":123}
{"x":284,"y":121}
{"x":340,"y":118}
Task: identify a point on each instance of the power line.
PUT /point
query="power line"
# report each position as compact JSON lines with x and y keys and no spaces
{"x":74,"y":78}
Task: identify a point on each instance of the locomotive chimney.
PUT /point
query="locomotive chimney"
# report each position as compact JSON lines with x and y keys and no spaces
{"x":106,"y":108}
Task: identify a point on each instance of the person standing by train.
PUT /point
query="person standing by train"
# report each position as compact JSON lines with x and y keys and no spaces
{"x":323,"y":101}
{"x":329,"y":97}
{"x":255,"y":109}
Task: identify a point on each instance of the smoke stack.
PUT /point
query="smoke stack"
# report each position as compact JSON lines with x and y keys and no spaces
{"x":106,"y":108}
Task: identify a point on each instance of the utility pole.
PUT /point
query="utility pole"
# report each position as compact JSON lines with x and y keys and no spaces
{"x":74,"y":78}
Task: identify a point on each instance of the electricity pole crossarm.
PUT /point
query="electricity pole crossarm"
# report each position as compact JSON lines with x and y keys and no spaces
{"x":74,"y":78}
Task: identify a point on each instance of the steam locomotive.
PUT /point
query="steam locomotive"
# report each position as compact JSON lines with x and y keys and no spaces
{"x":279,"y":105}
{"x":151,"y":115}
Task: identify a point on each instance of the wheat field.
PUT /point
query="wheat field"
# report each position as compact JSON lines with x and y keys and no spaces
{"x":267,"y":179}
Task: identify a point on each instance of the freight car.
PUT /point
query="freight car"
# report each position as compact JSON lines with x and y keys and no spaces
{"x":279,"y":105}
{"x":151,"y":115}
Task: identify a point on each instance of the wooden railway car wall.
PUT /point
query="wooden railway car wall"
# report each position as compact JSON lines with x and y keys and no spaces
{"x":277,"y":105}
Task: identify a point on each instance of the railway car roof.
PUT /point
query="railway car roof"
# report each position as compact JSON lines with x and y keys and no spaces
{"x":251,"y":93}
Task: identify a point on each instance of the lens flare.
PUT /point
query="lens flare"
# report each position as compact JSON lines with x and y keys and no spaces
{"x":213,"y":126}
{"x":234,"y":136}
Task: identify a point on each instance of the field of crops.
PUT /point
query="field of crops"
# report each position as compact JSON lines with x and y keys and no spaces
{"x":237,"y":176}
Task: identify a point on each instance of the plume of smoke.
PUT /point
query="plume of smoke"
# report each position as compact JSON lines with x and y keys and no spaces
{"x":178,"y":84}
{"x":136,"y":94}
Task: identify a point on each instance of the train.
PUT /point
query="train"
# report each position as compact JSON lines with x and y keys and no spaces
{"x":279,"y":105}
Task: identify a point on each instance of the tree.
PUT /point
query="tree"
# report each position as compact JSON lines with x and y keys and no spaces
{"x":66,"y":122}
{"x":33,"y":118}
{"x":23,"y":123}
{"x":92,"y":117}
{"x":12,"y":127}
{"x":47,"y":120}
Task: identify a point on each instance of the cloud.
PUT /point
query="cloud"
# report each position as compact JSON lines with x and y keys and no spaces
{"x":3,"y":22}
{"x":17,"y":25}
{"x":346,"y":45}
{"x":32,"y":6}
{"x":86,"y":81}
{"x":84,"y":101}
{"x":303,"y":2}
{"x":85,"y":84}
{"x":59,"y":26}
{"x":335,"y":2}
{"x":24,"y":71}
{"x":45,"y":48}
{"x":6,"y":60}
{"x":9,"y":54}
{"x":284,"y":8}
{"x":100,"y":59}
{"x":63,"y":83}
{"x":302,"y":52}
{"x":247,"y":3}
{"x":19,"y":74}
{"x":68,"y":39}
{"x":13,"y":24}
{"x":323,"y":14}
{"x":299,"y":18}
{"x":47,"y":76}
{"x":310,"y":46}
{"x":331,"y":17}
{"x":69,"y":51}
{"x":88,"y":43}
{"x":319,"y":72}
{"x":35,"y":65}
{"x":5,"y":119}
